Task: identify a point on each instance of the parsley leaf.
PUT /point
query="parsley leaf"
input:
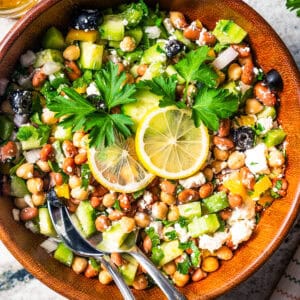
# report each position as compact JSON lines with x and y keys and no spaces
{"x":157,"y":255}
{"x":183,"y":222}
{"x":85,"y":176}
{"x":206,"y":75}
{"x":211,"y":105}
{"x":117,"y":205}
{"x":293,"y":5}
{"x":25,"y":133}
{"x":153,"y":236}
{"x":278,"y":184}
{"x":171,"y":235}
{"x":195,"y":256}
{"x":183,"y":267}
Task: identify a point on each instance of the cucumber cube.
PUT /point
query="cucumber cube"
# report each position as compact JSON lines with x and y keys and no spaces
{"x":154,"y":54}
{"x":128,"y":270}
{"x":62,"y":134}
{"x":48,"y":55}
{"x":203,"y":225}
{"x":53,"y":39}
{"x":170,"y":250}
{"x":86,"y":216}
{"x":18,"y":187}
{"x":112,"y":28}
{"x":216,"y":202}
{"x":91,"y":55}
{"x":274,"y":137}
{"x":45,"y":223}
{"x":268,"y":111}
{"x":64,"y":254}
{"x":190,"y":210}
{"x":228,"y":32}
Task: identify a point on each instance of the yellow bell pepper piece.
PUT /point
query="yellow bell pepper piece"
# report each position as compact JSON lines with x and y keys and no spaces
{"x":246,"y":120}
{"x":62,"y":191}
{"x":81,"y":35}
{"x":81,"y":89}
{"x":260,"y":187}
{"x":235,"y":185}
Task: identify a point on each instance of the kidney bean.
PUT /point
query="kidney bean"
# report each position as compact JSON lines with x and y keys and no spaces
{"x":28,"y":213}
{"x":38,"y":78}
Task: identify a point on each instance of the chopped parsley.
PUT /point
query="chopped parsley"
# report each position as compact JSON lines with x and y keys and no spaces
{"x":117,"y":205}
{"x":157,"y":255}
{"x":171,"y":235}
{"x":85,"y":175}
{"x":153,"y":236}
{"x":183,"y":267}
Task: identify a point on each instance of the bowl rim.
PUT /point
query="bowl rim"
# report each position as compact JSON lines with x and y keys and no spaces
{"x":41,"y":274}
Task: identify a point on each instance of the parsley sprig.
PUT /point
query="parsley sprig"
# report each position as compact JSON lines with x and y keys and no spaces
{"x":294,"y":5}
{"x":81,"y":114}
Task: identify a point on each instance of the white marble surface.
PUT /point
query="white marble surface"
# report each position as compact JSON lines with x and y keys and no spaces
{"x":17,"y":284}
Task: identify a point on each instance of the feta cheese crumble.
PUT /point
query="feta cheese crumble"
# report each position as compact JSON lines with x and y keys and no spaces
{"x":153,"y":32}
{"x":214,"y":242}
{"x":265,"y":124}
{"x":92,"y":89}
{"x":183,"y":235}
{"x":193,"y":181}
{"x":241,"y":231}
{"x":256,"y":159}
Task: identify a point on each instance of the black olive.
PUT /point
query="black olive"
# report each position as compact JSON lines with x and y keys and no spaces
{"x":274,"y":81}
{"x":243,"y":137}
{"x":21,"y":101}
{"x":88,"y":19}
{"x":173,"y":47}
{"x":97,"y":101}
{"x":53,"y":199}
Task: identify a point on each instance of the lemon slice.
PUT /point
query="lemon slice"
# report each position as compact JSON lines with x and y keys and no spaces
{"x":116,"y":167}
{"x":169,"y":145}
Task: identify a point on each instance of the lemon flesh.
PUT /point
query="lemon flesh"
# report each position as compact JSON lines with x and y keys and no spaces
{"x":169,"y":145}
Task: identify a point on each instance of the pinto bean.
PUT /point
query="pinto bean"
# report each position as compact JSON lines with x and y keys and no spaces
{"x":223,"y":143}
{"x":224,"y":128}
{"x":46,"y":152}
{"x":242,"y":49}
{"x":73,"y":71}
{"x":69,"y":149}
{"x":178,"y":19}
{"x":28,"y":213}
{"x":188,"y":195}
{"x":264,"y":94}
{"x":207,"y":38}
{"x":38,"y":78}
{"x":247,"y":76}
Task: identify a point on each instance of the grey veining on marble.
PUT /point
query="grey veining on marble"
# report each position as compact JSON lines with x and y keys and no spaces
{"x":18,"y":284}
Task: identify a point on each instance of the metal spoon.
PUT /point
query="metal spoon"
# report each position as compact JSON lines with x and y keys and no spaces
{"x":73,"y":240}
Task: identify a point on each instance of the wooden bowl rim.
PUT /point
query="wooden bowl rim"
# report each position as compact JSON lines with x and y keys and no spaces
{"x":40,"y":273}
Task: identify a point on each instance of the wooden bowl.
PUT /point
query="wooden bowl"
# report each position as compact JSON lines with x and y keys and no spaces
{"x":276,"y":221}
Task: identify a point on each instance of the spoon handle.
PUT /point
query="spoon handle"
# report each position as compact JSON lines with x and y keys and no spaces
{"x":169,"y":290}
{"x":118,"y":279}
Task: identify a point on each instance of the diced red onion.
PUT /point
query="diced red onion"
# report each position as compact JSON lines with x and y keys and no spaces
{"x":51,"y":67}
{"x":16,"y":214}
{"x":32,"y":156}
{"x":28,"y":59}
{"x":19,"y":120}
{"x":225,"y":58}
{"x":49,"y":245}
{"x":28,"y":200}
{"x":3,"y":84}
{"x":32,"y":226}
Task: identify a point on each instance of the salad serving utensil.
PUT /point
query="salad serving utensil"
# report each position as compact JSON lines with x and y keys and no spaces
{"x":73,"y":240}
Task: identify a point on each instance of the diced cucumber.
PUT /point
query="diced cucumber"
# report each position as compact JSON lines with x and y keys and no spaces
{"x":134,"y":56}
{"x":64,"y":254}
{"x":136,"y":33}
{"x":274,"y":137}
{"x":60,"y":133}
{"x":114,"y":44}
{"x":112,"y":28}
{"x":154,"y":54}
{"x":18,"y":187}
{"x":231,"y":87}
{"x":58,"y":78}
{"x":206,"y":224}
{"x":45,"y":223}
{"x":181,"y":38}
{"x":86,"y":216}
{"x":216,"y":202}
{"x":77,"y":225}
{"x":129,"y":270}
{"x":228,"y":32}
{"x":114,"y":237}
{"x":268,"y":111}
{"x":91,"y":55}
{"x":53,"y":39}
{"x":154,"y":69}
{"x":48,"y":55}
{"x":190,"y":210}
{"x":59,"y":156}
{"x":6,"y":127}
{"x":137,"y":110}
{"x":133,"y":14}
{"x":170,"y":70}
{"x":170,"y":250}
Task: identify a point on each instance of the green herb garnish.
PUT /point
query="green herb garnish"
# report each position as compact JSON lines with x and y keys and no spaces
{"x":153,"y":236}
{"x":183,"y":267}
{"x":294,"y":5}
{"x":171,"y":235}
{"x":157,"y":255}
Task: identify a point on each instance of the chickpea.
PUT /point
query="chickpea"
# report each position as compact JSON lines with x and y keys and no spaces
{"x":198,"y":275}
{"x":35,"y":185}
{"x":218,"y":166}
{"x":79,"y":193}
{"x":142,"y":220}
{"x":127,"y":224}
{"x":80,"y":158}
{"x":173,"y":214}
{"x":168,"y":187}
{"x":147,"y":244}
{"x":117,"y":259}
{"x":178,"y":19}
{"x":38,"y":199}
{"x":236,"y":160}
{"x":115,"y":215}
{"x":276,"y":158}
{"x":25,"y":171}
{"x":234,"y":72}
{"x":224,"y":128}
{"x":208,"y":173}
{"x":74,"y":181}
{"x":20,"y":203}
{"x":68,"y":165}
{"x":48,"y":117}
{"x":79,"y":264}
{"x":159,"y":210}
{"x":72,"y":52}
{"x":102,"y":223}
{"x":28,"y":213}
{"x":105,"y":277}
{"x":179,"y":279}
{"x":170,"y":268}
{"x":125,"y":202}
{"x":140,"y":282}
{"x":77,"y":137}
{"x":253,"y":106}
{"x":235,"y":200}
{"x":220,"y":154}
{"x":127,"y":44}
{"x":210,"y":264}
{"x":206,"y":190}
{"x":191,"y":90}
{"x":43,"y":165}
{"x":167,"y":198}
{"x":224,"y":253}
{"x":188,"y":195}
{"x":225,"y":214}
{"x":141,"y":70}
{"x":109,"y":199}
{"x":69,"y":149}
